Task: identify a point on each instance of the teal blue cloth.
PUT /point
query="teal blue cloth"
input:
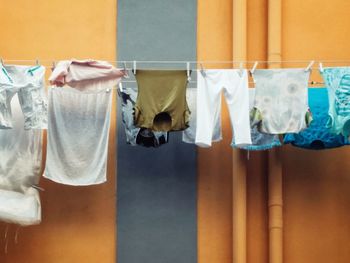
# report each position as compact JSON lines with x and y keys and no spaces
{"x":337,"y":80}
{"x":317,"y":136}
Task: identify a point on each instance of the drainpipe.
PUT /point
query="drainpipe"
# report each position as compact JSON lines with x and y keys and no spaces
{"x":239,"y":172}
{"x":275,"y":200}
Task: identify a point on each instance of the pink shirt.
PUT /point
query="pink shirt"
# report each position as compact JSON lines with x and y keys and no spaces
{"x":79,"y":72}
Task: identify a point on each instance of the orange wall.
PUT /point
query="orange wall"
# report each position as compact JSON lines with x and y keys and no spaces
{"x":79,"y":223}
{"x":316,"y":196}
{"x":316,"y":184}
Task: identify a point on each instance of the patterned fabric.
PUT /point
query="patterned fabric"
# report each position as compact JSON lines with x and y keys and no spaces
{"x":317,"y":136}
{"x":281,"y":103}
{"x":338,"y":84}
{"x":136,"y":135}
{"x":260,"y":141}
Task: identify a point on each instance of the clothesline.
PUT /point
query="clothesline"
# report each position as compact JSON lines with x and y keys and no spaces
{"x":39,"y":61}
{"x":250,"y":82}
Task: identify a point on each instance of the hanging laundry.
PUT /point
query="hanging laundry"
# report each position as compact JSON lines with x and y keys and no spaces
{"x":338,"y":84}
{"x":260,"y":141}
{"x":281,"y":102}
{"x":20,"y":169}
{"x":80,"y":73}
{"x":161,"y":100}
{"x":79,"y":121}
{"x":234,"y":84}
{"x":136,"y":135}
{"x":77,"y":136}
{"x":317,"y":136}
{"x":29,"y":83}
{"x":189,"y":135}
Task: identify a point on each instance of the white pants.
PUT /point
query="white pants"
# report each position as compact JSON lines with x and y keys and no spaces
{"x":189,"y":135}
{"x":234,"y":84}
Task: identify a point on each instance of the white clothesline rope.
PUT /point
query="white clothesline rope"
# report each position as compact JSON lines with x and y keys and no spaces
{"x":39,"y":61}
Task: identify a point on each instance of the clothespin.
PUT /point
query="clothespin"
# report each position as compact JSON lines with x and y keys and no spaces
{"x":254,"y":67}
{"x":37,"y":62}
{"x":202,"y":70}
{"x":124,"y":66}
{"x":188,"y":71}
{"x":38,"y":187}
{"x":121,"y":87}
{"x":241,"y":69}
{"x":53,"y":65}
{"x":308,"y":68}
{"x":320,"y":66}
{"x":134,"y":67}
{"x":2,"y":61}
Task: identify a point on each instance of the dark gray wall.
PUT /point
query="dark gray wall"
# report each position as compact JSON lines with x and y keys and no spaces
{"x":156,"y":208}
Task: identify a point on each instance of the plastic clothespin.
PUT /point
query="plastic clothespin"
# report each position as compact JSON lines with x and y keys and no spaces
{"x":241,"y":69}
{"x":308,"y":68}
{"x":202,"y":70}
{"x":37,"y":62}
{"x":2,"y":61}
{"x":254,"y":67}
{"x":121,"y":87}
{"x":53,"y":65}
{"x":38,"y":187}
{"x":188,"y":71}
{"x":320,"y":66}
{"x":134,"y":67}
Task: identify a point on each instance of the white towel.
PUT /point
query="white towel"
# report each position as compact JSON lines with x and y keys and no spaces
{"x":78,"y":129}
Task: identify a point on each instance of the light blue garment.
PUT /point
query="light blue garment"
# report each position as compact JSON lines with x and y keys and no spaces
{"x":260,"y":141}
{"x":317,"y":136}
{"x":338,"y":84}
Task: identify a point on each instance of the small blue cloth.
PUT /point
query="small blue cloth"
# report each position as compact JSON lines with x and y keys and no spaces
{"x":317,"y":136}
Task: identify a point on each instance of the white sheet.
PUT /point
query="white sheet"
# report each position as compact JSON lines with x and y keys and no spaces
{"x":20,"y":166}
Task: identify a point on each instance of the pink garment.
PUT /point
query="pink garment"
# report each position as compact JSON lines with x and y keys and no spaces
{"x":77,"y":73}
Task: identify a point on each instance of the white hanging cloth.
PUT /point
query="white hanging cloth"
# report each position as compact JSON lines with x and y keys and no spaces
{"x":78,"y":128}
{"x":20,"y":166}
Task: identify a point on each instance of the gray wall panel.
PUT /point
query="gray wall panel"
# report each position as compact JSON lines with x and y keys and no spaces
{"x":156,"y":209}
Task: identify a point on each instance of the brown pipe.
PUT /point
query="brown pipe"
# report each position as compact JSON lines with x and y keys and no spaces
{"x":275,"y":198}
{"x":239,"y":172}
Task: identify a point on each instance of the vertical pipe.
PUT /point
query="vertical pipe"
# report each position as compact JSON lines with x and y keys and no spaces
{"x":239,"y":188}
{"x":275,"y":200}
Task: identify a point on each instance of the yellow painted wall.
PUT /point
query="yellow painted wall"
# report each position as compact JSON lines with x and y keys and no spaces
{"x":79,"y":223}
